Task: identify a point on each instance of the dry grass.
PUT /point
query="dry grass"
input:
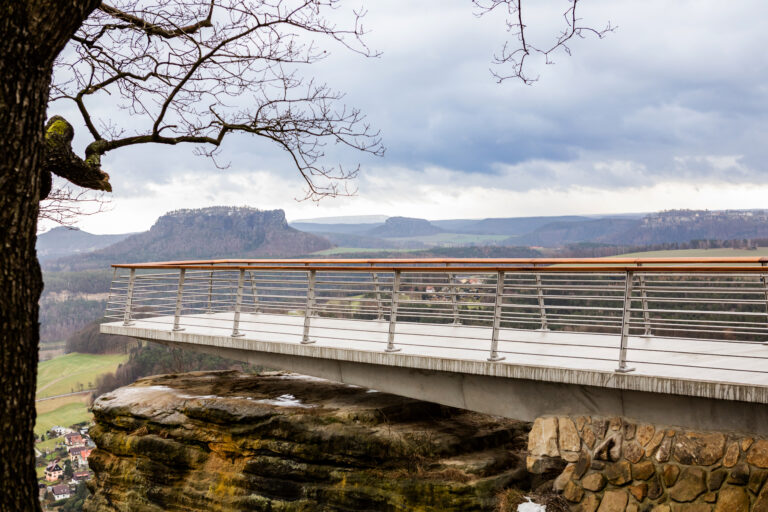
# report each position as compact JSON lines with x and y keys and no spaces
{"x":509,"y":499}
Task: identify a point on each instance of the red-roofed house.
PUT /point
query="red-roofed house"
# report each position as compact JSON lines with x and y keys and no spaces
{"x":74,"y":439}
{"x":79,"y":454}
{"x":53,"y":471}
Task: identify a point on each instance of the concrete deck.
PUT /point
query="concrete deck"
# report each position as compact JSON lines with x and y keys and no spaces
{"x":719,"y":370}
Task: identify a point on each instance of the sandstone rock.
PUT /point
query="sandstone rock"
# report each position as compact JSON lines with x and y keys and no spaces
{"x":569,"y":436}
{"x":614,"y":501}
{"x":563,"y":478}
{"x":654,"y":443}
{"x":716,"y":479}
{"x":758,"y":454}
{"x":739,"y":475}
{"x":629,"y":429}
{"x":639,"y":491}
{"x":633,"y":507}
{"x":220,"y":441}
{"x":691,"y":507}
{"x":593,"y":482}
{"x":689,"y":486}
{"x":600,"y":427}
{"x":665,"y":450}
{"x":756,"y":480}
{"x":573,"y":492}
{"x":582,"y":465}
{"x":609,"y":449}
{"x":669,"y":474}
{"x":699,"y":449}
{"x":661,"y":508}
{"x":615,"y":423}
{"x":589,"y":504}
{"x":618,"y":473}
{"x":732,"y":499}
{"x":731,"y":455}
{"x":761,"y":503}
{"x":580,"y":422}
{"x":746,"y":443}
{"x":655,"y":489}
{"x":542,"y":464}
{"x":633,"y":452}
{"x":570,"y":456}
{"x":643,"y":470}
{"x":710,"y":497}
{"x":542,"y":440}
{"x":645,"y":434}
{"x":589,"y":438}
{"x":597,"y":465}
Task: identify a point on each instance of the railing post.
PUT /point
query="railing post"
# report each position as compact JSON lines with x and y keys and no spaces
{"x":393,"y":313}
{"x":310,"y":307}
{"x":626,"y":317}
{"x":542,"y":305}
{"x":254,"y":292}
{"x":209,"y":310}
{"x":498,"y":304}
{"x":764,"y":280}
{"x":377,"y":292}
{"x":238,"y":305}
{"x":455,"y":298}
{"x":179,"y":295}
{"x":644,"y":301}
{"x":129,"y":299}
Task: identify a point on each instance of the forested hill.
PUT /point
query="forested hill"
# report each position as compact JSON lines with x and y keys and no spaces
{"x":216,"y":232}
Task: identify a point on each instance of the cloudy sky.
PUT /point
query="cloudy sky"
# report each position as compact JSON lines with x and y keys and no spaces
{"x":669,"y":111}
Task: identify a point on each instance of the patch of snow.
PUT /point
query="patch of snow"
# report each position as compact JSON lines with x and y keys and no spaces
{"x":531,"y":507}
{"x":285,"y":401}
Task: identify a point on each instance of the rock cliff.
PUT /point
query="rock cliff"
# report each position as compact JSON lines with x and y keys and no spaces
{"x":222,"y":441}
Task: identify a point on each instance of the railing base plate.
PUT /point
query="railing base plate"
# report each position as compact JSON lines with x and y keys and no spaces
{"x":624,"y":370}
{"x":237,"y":335}
{"x":308,"y":342}
{"x":390,"y":350}
{"x":177,"y":329}
{"x":496,"y":358}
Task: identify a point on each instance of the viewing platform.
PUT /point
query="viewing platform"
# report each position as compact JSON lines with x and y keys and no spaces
{"x":667,"y":340}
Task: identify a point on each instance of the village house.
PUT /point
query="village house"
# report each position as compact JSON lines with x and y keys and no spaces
{"x":59,"y":431}
{"x":79,"y":455}
{"x":80,"y":476}
{"x":53,"y":471}
{"x":74,"y":439}
{"x":61,"y":492}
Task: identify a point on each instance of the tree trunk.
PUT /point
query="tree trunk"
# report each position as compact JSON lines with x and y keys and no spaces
{"x":33,"y":33}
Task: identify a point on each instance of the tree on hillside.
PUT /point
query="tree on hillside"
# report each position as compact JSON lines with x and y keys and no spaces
{"x":181,"y":69}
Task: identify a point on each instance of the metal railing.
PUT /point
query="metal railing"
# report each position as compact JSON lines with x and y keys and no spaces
{"x":706,"y":299}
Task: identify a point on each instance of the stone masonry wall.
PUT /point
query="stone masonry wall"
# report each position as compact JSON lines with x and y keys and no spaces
{"x":614,"y":465}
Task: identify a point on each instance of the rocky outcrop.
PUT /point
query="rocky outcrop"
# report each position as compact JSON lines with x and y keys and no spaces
{"x":228,"y":441}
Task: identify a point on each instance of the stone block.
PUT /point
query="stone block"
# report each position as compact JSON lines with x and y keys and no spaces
{"x":665,"y":450}
{"x":594,"y":482}
{"x":615,"y":423}
{"x":563,"y":478}
{"x":569,"y":439}
{"x":609,"y":449}
{"x":761,"y":503}
{"x":689,"y":486}
{"x":691,"y":507}
{"x":756,"y":480}
{"x":655,"y":489}
{"x":654,"y":443}
{"x":614,"y":501}
{"x":758,"y":454}
{"x":699,"y":449}
{"x":661,"y":508}
{"x":633,"y":452}
{"x":589,"y":504}
{"x":629,"y":430}
{"x":542,"y":440}
{"x":589,"y":438}
{"x":731,"y":455}
{"x":716,"y":479}
{"x":710,"y":497}
{"x":732,"y":499}
{"x":639,"y":491}
{"x":645,"y":434}
{"x":669,"y":474}
{"x":739,"y":475}
{"x":618,"y":473}
{"x":580,"y":422}
{"x":643,"y":470}
{"x":582,"y":465}
{"x":573,"y":492}
{"x":746,"y":443}
{"x":570,"y":456}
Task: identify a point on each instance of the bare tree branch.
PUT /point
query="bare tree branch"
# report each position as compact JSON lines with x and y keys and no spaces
{"x":513,"y":55}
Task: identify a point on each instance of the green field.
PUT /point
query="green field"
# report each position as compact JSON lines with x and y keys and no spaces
{"x":67,"y":373}
{"x":66,"y":415}
{"x":453,"y":239}
{"x":697,"y":253}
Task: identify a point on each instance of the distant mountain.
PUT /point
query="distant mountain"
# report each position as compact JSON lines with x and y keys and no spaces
{"x":556,"y":234}
{"x":341,"y":228}
{"x":516,"y":225}
{"x":369,"y":242}
{"x":405,"y":227}
{"x":347,"y":219}
{"x":63,"y":241}
{"x":218,"y":232}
